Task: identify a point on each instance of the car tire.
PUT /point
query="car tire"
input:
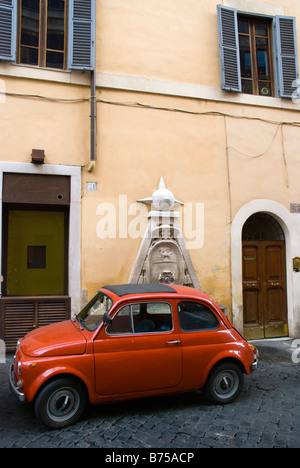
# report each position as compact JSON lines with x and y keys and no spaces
{"x":224,"y":383}
{"x":60,"y":403}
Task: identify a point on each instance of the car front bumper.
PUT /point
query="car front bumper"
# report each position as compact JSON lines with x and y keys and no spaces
{"x":14,"y":387}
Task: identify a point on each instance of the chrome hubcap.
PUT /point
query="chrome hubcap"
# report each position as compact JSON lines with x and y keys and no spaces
{"x":226,"y":384}
{"x":63,"y":404}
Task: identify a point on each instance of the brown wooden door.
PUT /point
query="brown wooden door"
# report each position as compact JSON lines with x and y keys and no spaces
{"x":264,"y":289}
{"x":34,"y":254}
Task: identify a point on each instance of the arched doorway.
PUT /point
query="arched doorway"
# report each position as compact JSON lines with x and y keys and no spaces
{"x":264,"y":278}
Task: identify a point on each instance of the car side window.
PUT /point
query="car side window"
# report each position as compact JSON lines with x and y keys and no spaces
{"x":194,"y":316}
{"x":121,"y":323}
{"x":144,"y":317}
{"x":152,"y":316}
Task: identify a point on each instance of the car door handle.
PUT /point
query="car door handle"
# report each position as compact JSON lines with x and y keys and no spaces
{"x":173,"y":342}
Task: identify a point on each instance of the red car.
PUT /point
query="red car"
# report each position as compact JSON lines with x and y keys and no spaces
{"x":131,"y":341}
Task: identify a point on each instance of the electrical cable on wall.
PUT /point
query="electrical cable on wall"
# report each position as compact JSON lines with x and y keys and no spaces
{"x":150,"y":107}
{"x":139,"y":105}
{"x":44,"y":98}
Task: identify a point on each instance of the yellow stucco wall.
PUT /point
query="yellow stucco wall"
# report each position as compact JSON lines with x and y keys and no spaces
{"x":172,"y":40}
{"x":221,"y":161}
{"x":60,"y":128}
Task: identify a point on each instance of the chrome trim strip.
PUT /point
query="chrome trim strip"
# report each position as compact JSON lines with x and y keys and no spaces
{"x":19,"y":394}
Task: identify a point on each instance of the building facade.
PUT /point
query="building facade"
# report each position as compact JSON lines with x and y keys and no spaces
{"x":99,"y":100}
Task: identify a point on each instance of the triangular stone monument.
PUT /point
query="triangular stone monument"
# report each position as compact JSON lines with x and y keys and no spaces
{"x":163,"y":256}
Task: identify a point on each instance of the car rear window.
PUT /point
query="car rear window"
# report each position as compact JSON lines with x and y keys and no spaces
{"x":194,"y":316}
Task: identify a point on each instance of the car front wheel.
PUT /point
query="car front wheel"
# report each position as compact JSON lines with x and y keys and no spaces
{"x":225,"y":383}
{"x":60,"y":403}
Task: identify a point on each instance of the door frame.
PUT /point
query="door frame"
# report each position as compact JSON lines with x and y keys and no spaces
{"x":74,"y":172}
{"x":290,"y":224}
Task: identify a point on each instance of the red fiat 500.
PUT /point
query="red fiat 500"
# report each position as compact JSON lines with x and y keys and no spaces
{"x":131,"y":341}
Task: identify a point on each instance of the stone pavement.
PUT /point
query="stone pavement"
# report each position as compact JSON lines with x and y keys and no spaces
{"x":267,"y":414}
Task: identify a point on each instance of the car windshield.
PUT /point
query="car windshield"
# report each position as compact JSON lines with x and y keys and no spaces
{"x":92,"y":314}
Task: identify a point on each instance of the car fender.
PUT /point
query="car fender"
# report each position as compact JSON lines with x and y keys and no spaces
{"x":233,"y":355}
{"x":39,"y":378}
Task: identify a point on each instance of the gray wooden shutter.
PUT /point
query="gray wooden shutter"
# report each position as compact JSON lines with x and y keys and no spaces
{"x":81,"y":55}
{"x":8,"y":30}
{"x":229,"y":49}
{"x":287,"y":56}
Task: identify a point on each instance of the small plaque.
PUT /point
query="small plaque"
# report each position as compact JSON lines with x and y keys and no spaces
{"x":249,"y":258}
{"x":295,"y":208}
{"x":92,"y":186}
{"x":296,"y":264}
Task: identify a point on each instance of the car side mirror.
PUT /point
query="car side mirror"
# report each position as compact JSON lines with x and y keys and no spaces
{"x":107,"y":320}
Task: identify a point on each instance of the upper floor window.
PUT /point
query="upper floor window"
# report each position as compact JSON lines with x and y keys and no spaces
{"x":42,"y":33}
{"x":258,"y":55}
{"x":255,"y":56}
{"x":57,"y":34}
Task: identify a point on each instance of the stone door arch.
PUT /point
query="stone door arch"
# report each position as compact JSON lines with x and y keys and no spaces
{"x":291,"y":229}
{"x":264,"y":278}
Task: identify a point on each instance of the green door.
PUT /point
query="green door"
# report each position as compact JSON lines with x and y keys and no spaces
{"x":36,"y":254}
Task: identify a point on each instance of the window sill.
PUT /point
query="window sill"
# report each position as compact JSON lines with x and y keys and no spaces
{"x":44,"y":74}
{"x":187,"y":90}
{"x":145,"y":85}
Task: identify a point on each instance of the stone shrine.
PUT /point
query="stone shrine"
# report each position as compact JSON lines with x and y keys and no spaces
{"x":163,"y":256}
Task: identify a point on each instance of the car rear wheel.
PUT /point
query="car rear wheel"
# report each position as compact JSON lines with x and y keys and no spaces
{"x":60,"y":403}
{"x":225,"y":383}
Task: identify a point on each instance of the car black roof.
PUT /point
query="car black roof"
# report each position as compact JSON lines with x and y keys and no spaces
{"x":124,"y":289}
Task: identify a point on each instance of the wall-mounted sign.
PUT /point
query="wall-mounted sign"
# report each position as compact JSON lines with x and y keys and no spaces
{"x":92,"y":186}
{"x":296,"y":264}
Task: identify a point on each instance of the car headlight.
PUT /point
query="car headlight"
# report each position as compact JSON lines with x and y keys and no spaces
{"x":254,"y":350}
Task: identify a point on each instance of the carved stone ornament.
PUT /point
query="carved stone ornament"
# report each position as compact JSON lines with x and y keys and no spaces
{"x":165,"y":261}
{"x":163,"y":256}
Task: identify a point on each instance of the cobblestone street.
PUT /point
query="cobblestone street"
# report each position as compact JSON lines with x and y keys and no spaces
{"x":267,"y":414}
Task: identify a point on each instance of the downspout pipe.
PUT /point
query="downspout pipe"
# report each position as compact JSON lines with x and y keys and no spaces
{"x":93,"y":122}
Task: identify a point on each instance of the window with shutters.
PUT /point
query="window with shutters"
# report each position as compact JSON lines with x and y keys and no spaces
{"x":42,"y":33}
{"x":82,"y":34}
{"x":258,"y":55}
{"x":8,"y":15}
{"x":58,"y":34}
{"x":255,"y":44}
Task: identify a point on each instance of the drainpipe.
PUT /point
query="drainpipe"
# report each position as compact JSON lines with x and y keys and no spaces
{"x":93,"y":122}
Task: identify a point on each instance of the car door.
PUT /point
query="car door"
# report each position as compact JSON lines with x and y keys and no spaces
{"x":139,"y":351}
{"x":201,"y":339}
